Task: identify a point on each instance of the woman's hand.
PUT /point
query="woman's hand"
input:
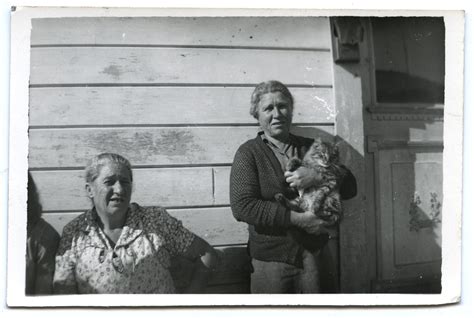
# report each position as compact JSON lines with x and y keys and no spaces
{"x":309,"y":222}
{"x":302,"y":178}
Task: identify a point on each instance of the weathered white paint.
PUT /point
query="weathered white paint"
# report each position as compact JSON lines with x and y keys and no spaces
{"x":64,"y":190}
{"x":172,"y":95}
{"x":182,"y":105}
{"x":143,"y":146}
{"x":132,"y":65}
{"x":286,"y":32}
{"x":215,"y":225}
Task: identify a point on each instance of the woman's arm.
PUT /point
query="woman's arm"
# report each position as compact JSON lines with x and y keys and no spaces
{"x":245,"y":195}
{"x":267,"y":216}
{"x":348,"y":188}
{"x":179,"y":241}
{"x":303,"y":178}
{"x":205,"y":259}
{"x":309,"y":222}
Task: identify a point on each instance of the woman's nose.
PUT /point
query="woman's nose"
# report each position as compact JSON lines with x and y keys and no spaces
{"x":118,"y":188}
{"x":277,"y":112}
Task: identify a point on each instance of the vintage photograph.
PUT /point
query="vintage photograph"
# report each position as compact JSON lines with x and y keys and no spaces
{"x":252,"y":154}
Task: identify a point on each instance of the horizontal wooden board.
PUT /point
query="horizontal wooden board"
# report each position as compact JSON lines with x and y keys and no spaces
{"x":62,"y":106}
{"x":216,"y":225}
{"x":221,"y":185}
{"x":145,"y":146}
{"x":59,"y":220}
{"x":126,"y":65}
{"x":305,"y":32}
{"x":65,"y":190}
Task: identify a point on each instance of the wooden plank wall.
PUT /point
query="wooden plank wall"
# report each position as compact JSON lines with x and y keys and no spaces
{"x":171,"y":94}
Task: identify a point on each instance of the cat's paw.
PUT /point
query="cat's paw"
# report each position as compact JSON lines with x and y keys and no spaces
{"x":279,"y":197}
{"x":315,"y":208}
{"x":324,"y":213}
{"x":293,"y":164}
{"x":331,"y":220}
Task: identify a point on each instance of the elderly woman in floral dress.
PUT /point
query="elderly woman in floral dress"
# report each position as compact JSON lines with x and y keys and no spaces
{"x":121,"y":247}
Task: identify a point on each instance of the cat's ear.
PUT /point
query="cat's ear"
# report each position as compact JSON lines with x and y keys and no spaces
{"x":336,"y":148}
{"x":318,"y":140}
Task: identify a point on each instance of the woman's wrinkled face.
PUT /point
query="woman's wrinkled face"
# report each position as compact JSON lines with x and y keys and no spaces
{"x":111,"y":191}
{"x":275,"y":113}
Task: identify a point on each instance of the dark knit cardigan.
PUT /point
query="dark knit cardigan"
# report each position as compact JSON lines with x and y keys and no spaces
{"x":255,"y":178}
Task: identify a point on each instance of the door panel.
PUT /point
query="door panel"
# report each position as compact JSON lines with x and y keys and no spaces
{"x":410,"y":195}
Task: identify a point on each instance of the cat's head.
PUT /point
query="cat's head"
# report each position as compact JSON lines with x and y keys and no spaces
{"x":324,"y":153}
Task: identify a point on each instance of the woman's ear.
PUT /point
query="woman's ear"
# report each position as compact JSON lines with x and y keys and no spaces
{"x":89,"y":191}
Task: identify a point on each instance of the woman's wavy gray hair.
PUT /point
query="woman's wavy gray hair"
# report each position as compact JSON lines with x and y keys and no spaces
{"x":264,"y":88}
{"x":92,"y":170}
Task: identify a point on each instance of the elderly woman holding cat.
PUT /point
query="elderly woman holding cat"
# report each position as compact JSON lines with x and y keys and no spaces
{"x":121,"y":247}
{"x":284,"y":244}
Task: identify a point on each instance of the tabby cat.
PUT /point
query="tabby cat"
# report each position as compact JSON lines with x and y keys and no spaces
{"x":323,"y":199}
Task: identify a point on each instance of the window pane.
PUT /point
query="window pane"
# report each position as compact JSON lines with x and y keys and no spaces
{"x":409,"y":59}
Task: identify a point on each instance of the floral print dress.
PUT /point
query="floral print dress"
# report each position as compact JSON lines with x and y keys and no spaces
{"x":139,"y":262}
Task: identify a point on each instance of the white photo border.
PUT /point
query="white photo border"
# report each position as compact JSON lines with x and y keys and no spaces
{"x":18,"y":165}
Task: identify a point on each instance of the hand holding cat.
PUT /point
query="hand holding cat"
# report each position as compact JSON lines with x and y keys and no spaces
{"x":309,"y":222}
{"x":303,"y":177}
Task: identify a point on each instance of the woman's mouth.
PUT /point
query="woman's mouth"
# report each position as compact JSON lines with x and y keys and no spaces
{"x":117,"y":200}
{"x":280,"y":123}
